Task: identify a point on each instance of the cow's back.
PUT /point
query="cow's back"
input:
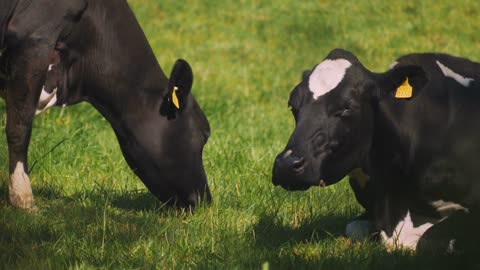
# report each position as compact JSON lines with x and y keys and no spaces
{"x":443,"y":126}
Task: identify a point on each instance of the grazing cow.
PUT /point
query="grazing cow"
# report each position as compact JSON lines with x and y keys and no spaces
{"x":409,"y":137}
{"x":57,"y":53}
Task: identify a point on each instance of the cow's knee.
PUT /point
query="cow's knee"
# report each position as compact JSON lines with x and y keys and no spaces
{"x":359,"y":230}
{"x":20,"y":190}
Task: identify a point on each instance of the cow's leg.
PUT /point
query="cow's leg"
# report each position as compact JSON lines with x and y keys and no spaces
{"x":19,"y":127}
{"x":458,"y":234}
{"x":22,"y":94}
{"x":360,"y":228}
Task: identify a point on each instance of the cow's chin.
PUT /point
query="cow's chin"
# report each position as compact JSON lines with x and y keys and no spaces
{"x":306,"y":184}
{"x":296,"y":186}
{"x":299,"y":183}
{"x":325,"y":182}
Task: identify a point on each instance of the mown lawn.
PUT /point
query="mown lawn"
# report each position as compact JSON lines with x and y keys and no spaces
{"x":246,"y":56}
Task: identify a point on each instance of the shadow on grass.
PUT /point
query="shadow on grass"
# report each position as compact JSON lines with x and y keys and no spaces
{"x":136,"y":200}
{"x":68,"y":230}
{"x":272,"y":234}
{"x":319,"y":243}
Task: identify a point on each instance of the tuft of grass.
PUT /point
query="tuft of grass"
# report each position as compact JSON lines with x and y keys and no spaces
{"x":246,"y":55}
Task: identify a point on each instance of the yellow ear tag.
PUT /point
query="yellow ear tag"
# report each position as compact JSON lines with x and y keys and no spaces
{"x":175,"y":98}
{"x":404,"y":91}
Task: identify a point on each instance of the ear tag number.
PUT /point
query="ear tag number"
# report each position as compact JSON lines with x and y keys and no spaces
{"x":175,"y":98}
{"x":404,"y":91}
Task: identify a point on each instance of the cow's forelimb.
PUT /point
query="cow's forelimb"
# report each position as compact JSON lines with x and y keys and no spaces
{"x":22,"y":93}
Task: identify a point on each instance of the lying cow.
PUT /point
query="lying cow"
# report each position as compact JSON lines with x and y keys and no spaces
{"x":410,"y":137}
{"x":58,"y":52}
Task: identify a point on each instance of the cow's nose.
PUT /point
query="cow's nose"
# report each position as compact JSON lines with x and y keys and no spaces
{"x":288,"y":164}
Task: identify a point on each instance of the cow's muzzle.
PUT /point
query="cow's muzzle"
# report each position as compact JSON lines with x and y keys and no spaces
{"x":289,"y":171}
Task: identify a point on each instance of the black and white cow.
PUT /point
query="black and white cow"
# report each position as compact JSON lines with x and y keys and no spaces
{"x":410,"y":137}
{"x":57,"y":53}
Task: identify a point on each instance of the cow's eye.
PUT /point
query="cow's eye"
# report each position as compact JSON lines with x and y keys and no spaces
{"x":343,"y":113}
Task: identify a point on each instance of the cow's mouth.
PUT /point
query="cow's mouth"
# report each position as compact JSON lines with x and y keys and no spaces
{"x":295,"y":186}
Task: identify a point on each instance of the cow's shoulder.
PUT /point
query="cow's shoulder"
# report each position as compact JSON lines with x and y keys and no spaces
{"x":43,"y":20}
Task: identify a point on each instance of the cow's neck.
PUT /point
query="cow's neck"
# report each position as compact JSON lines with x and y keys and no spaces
{"x":115,"y":68}
{"x":394,"y":139}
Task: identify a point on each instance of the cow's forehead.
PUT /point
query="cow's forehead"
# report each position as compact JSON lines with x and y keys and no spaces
{"x":327,"y":75}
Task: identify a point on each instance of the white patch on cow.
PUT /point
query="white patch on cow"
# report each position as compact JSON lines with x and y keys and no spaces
{"x":50,"y":67}
{"x":49,"y":98}
{"x":393,"y":65}
{"x":327,"y":75}
{"x":451,"y":246}
{"x":405,"y":235}
{"x":452,"y":74}
{"x":20,"y":191}
{"x":358,"y":230}
{"x":445,"y":209}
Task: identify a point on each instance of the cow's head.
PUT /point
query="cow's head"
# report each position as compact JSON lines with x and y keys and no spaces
{"x":334,"y":109}
{"x":164,"y":141}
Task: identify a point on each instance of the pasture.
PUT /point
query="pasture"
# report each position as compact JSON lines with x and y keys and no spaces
{"x":246,"y":55}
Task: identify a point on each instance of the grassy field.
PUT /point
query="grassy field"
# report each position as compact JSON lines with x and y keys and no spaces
{"x":246,"y":55}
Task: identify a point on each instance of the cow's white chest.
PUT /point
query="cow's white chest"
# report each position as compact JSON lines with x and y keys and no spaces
{"x":46,"y":99}
{"x":327,"y":75}
{"x":405,"y":235}
{"x":447,"y":72}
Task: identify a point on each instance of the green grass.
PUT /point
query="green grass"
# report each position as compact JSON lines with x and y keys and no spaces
{"x":246,"y":55}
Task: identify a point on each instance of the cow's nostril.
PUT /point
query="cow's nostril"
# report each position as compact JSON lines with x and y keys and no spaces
{"x":298,"y":165}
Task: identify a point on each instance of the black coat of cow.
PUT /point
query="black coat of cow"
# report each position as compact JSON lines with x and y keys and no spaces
{"x":414,"y":130}
{"x":57,"y":52}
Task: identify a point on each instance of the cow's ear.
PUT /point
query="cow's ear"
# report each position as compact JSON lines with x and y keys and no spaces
{"x":306,"y":74}
{"x":181,"y":80}
{"x":403,"y":82}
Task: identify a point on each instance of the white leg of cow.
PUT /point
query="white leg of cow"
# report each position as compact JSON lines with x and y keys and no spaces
{"x":20,"y":191}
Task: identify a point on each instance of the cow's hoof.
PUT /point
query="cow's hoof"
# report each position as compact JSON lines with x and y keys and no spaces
{"x":24,"y":201}
{"x":359,"y":230}
{"x":20,"y":190}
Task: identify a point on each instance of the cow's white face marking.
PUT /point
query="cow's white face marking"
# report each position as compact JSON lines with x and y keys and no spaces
{"x":358,"y":230}
{"x":327,"y":75}
{"x":50,"y":67}
{"x":452,"y":74}
{"x":46,"y":100}
{"x":405,"y":235}
{"x":20,"y":191}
